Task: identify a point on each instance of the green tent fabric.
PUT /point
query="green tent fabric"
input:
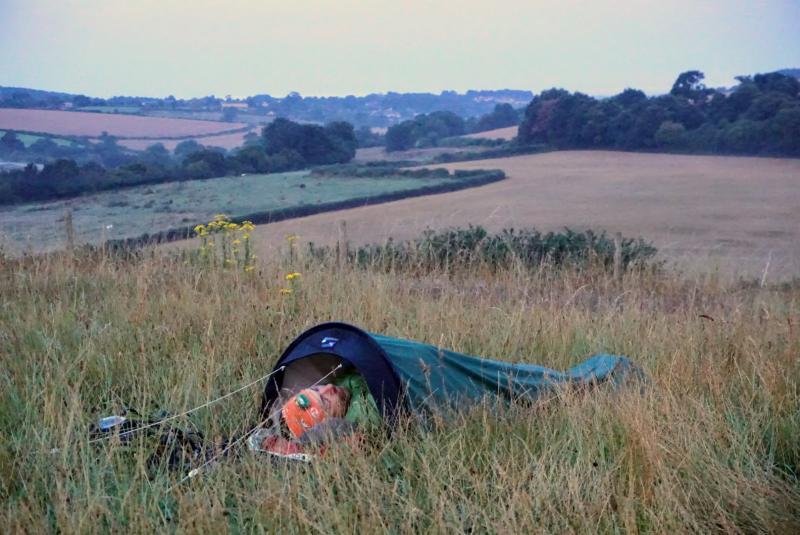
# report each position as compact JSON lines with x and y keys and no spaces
{"x":404,"y":375}
{"x":433,"y":377}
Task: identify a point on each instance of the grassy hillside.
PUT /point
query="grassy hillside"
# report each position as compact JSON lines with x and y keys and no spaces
{"x":712,"y":445}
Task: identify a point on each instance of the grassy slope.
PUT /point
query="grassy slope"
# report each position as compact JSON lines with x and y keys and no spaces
{"x":712,"y":445}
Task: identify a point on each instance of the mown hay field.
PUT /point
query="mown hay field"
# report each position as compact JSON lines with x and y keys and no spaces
{"x":67,"y":123}
{"x":741,"y":215}
{"x":373,"y":154}
{"x":226,"y":141}
{"x":711,"y":444}
{"x":507,"y":133}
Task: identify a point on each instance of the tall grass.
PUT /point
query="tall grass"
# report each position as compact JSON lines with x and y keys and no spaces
{"x":712,"y":445}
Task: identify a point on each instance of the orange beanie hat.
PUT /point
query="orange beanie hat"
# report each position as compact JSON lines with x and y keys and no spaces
{"x":303,"y":411}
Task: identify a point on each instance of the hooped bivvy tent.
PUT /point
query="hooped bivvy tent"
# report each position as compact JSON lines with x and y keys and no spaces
{"x":404,"y":375}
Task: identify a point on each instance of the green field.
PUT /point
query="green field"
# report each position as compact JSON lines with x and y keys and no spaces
{"x":149,"y":209}
{"x":30,"y":139}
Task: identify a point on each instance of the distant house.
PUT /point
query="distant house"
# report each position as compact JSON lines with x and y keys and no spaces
{"x":237,"y":105}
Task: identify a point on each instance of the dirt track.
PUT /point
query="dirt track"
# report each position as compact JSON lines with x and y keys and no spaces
{"x":738,"y":214}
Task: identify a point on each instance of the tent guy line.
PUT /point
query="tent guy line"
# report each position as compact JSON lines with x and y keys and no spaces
{"x":176,"y":416}
{"x":195,"y":471}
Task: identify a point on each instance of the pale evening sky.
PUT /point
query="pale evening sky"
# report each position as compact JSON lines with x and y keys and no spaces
{"x":201,"y":47}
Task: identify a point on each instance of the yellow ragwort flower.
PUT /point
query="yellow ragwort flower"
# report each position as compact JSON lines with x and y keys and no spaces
{"x":291,"y":237}
{"x":247,"y":269}
{"x":292,"y":276}
{"x":286,"y":291}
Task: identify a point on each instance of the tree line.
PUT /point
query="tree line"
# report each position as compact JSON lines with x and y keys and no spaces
{"x":377,"y":109}
{"x":283,"y":146}
{"x":760,"y":116}
{"x":428,"y":130}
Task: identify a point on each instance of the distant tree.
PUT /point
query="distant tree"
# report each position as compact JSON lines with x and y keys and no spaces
{"x":743,"y":136}
{"x":110,"y":153}
{"x":424,"y":130}
{"x":210,"y":162}
{"x":44,"y":146}
{"x":630,"y":97}
{"x":734,"y":105}
{"x":281,"y":134}
{"x":252,"y":159}
{"x":198,"y":170}
{"x":342,"y":137}
{"x":766,"y":105}
{"x":251,"y":138}
{"x":11,"y":143}
{"x":536,"y":122}
{"x":400,"y":137}
{"x":156,"y":154}
{"x":670,"y":135}
{"x":184,"y":148}
{"x":777,"y":82}
{"x":20,"y":99}
{"x":690,"y":85}
{"x":135,"y":168}
{"x":367,"y":138}
{"x":502,"y":116}
{"x":317,"y":145}
{"x":81,"y":101}
{"x":785,"y":131}
{"x":60,"y":170}
{"x":229,"y":114}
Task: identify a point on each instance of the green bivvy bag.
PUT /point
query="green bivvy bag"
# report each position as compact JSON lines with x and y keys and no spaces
{"x":404,"y":375}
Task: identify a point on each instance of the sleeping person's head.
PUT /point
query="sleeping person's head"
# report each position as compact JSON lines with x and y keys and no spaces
{"x":312,"y":406}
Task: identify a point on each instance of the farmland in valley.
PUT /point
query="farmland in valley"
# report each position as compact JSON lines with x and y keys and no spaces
{"x":741,"y":214}
{"x":132,"y":212}
{"x":507,"y":133}
{"x":30,"y":139}
{"x":226,"y":141}
{"x":146,"y":130}
{"x":425,"y":155}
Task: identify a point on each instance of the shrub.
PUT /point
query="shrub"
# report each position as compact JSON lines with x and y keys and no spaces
{"x":463,"y":247}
